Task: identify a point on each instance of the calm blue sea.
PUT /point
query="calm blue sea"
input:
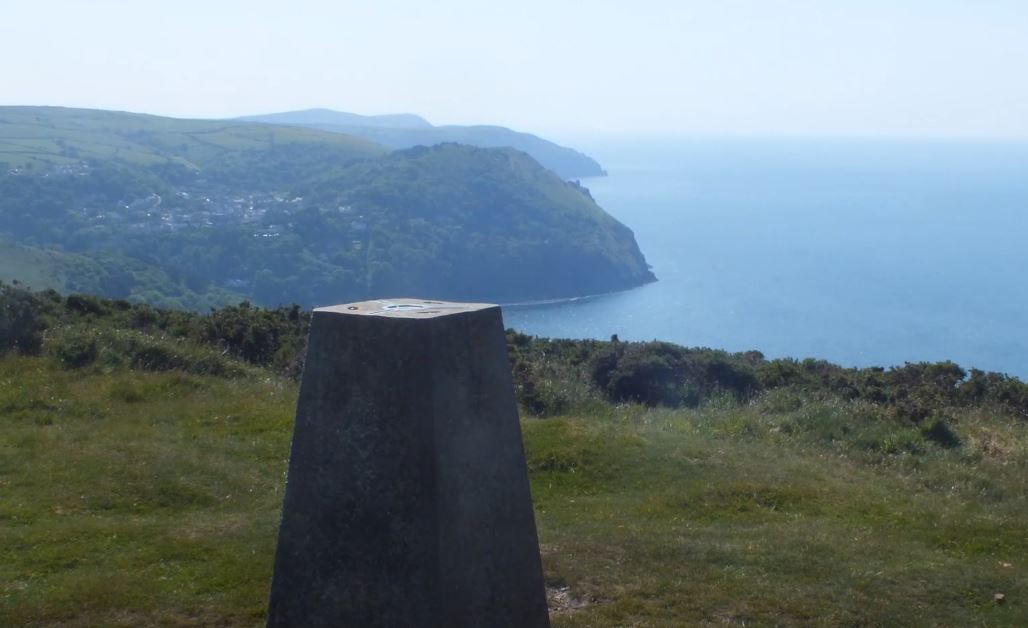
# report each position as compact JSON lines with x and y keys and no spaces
{"x":859,"y":252}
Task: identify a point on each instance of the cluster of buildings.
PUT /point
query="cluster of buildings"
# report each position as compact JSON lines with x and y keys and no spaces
{"x":199,"y":209}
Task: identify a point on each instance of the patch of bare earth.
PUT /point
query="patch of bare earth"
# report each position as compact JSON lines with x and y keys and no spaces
{"x":561,"y":602}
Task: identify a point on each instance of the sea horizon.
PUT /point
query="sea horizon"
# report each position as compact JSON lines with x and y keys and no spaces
{"x":863,"y":252}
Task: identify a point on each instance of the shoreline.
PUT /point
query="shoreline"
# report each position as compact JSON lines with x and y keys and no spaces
{"x":542,"y":303}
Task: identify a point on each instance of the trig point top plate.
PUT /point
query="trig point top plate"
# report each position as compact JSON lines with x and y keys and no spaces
{"x":404,"y":308}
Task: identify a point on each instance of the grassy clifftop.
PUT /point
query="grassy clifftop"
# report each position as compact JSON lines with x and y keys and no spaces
{"x":140,"y":498}
{"x":38,"y":137}
{"x":142,"y":466}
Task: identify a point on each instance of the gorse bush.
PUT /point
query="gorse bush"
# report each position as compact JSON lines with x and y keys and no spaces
{"x":78,"y":347}
{"x":21,"y":321}
{"x":660,"y":373}
{"x":264,"y":337}
{"x":551,"y":376}
{"x":274,"y":338}
{"x":74,"y":347}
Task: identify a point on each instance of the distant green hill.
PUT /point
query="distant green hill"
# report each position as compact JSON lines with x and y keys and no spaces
{"x":315,"y":117}
{"x":407,"y":130}
{"x":204,"y":211}
{"x":33,"y":137}
{"x":498,"y":225}
{"x":110,"y":274}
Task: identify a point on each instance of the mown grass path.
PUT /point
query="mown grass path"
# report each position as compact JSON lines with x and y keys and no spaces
{"x":131,"y":499}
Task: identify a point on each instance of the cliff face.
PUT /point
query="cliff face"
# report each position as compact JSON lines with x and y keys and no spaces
{"x":499,"y":227}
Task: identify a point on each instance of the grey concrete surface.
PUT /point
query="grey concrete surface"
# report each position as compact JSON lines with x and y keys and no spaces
{"x":407,"y":501}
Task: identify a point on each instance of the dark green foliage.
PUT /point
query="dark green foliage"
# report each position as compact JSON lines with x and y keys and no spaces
{"x":550,"y":376}
{"x":112,"y":275}
{"x":82,"y":330}
{"x":995,"y":389}
{"x":78,"y":346}
{"x":75,"y":347}
{"x":663,"y":374}
{"x":21,"y":320}
{"x":86,"y":304}
{"x":470,"y":223}
{"x":40,"y":208}
{"x":632,"y":373}
{"x":660,"y":373}
{"x":651,"y":373}
{"x":260,"y":336}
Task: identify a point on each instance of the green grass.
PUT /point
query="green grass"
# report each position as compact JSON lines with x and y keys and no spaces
{"x":691,"y":518}
{"x":137,"y":498}
{"x":134,"y":498}
{"x":45,"y":136}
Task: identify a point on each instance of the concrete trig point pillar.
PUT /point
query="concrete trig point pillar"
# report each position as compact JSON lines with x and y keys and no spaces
{"x":407,"y":501}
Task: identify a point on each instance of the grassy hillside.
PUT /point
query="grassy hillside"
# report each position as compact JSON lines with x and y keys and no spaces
{"x":118,"y":276}
{"x":283,"y":214}
{"x":152,"y":499}
{"x":38,"y":137}
{"x":315,"y":117}
{"x":461,"y":222}
{"x":406,"y":131}
{"x":142,"y":481}
{"x":35,"y":268}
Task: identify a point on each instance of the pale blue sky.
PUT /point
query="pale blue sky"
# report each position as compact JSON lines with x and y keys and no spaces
{"x":842,"y":67}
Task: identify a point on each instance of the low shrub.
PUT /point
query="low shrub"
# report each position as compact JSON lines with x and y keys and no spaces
{"x":551,"y":376}
{"x":78,"y":346}
{"x":74,"y":347}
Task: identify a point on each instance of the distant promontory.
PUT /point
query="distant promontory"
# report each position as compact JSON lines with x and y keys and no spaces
{"x":408,"y":130}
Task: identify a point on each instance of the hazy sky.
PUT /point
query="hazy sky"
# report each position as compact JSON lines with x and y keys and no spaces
{"x":863,"y":67}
